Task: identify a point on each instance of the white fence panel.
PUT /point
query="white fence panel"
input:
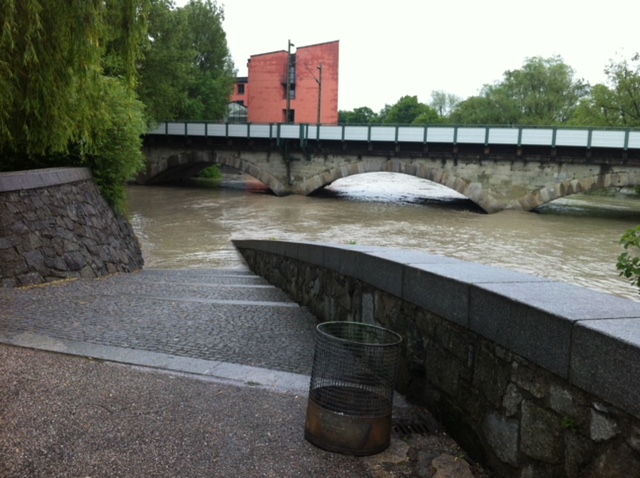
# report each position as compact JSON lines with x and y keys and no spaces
{"x":356,"y":133}
{"x":290,"y":131}
{"x":259,"y":130}
{"x":383,"y":133}
{"x":311,"y":131}
{"x":238,"y":130}
{"x":331,"y":132}
{"x":572,"y":137}
{"x":471,"y":135}
{"x":175,"y":128}
{"x":217,"y":130}
{"x":440,"y":134}
{"x":411,"y":134}
{"x":503,"y":136}
{"x":540,"y":137}
{"x":634,"y":139}
{"x":196,"y":129}
{"x":607,"y":139}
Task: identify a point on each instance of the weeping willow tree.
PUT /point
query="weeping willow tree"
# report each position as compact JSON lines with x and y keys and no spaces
{"x":67,"y":87}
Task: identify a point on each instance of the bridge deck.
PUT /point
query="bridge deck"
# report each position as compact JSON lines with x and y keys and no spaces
{"x":552,"y":137}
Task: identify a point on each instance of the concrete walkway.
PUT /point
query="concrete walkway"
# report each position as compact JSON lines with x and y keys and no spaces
{"x":183,"y":373}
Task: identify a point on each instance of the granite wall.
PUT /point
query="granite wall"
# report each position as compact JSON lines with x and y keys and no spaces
{"x":533,"y":377}
{"x":55,"y":224}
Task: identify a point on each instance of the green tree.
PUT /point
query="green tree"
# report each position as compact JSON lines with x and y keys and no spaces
{"x":187,"y":72}
{"x":616,"y":103}
{"x":114,"y":152}
{"x":477,"y":110}
{"x":48,"y":54}
{"x":409,"y":110}
{"x":57,"y":106}
{"x":444,"y":103}
{"x":362,"y":115}
{"x":542,"y":92}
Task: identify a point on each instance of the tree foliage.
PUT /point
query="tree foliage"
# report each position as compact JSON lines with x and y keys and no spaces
{"x":407,"y":110}
{"x":542,"y":92}
{"x":71,"y":70}
{"x":58,"y":107}
{"x":444,"y":103}
{"x":628,"y":262}
{"x":362,"y":115}
{"x":187,"y":71}
{"x":616,"y":103}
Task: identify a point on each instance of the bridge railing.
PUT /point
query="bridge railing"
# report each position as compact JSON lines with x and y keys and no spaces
{"x":453,"y":134}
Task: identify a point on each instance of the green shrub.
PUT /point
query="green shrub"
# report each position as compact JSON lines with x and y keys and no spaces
{"x":212,"y":172}
{"x":628,"y":262}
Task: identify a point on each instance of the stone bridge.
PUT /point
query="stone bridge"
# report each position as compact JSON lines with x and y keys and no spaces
{"x":494,"y":176}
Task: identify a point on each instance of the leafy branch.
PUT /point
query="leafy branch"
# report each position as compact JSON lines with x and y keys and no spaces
{"x":628,"y":262}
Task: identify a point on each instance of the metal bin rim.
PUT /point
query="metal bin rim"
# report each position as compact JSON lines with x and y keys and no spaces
{"x":397,"y":339}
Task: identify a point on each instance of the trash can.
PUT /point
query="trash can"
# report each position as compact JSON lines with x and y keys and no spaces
{"x":350,"y":400}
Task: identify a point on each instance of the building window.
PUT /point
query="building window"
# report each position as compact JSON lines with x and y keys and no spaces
{"x":241,"y":89}
{"x":292,"y":116}
{"x":292,"y":92}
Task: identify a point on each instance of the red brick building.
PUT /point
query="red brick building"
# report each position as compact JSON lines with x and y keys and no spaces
{"x":312,"y":86}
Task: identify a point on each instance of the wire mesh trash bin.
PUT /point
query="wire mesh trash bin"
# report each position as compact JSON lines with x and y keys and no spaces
{"x":350,"y":401}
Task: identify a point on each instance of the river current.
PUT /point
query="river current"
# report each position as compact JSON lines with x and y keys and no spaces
{"x":573,"y":240}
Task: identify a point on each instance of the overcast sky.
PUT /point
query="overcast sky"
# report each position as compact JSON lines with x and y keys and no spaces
{"x":389,"y":49}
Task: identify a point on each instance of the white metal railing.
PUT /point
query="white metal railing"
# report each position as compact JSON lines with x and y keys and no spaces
{"x":483,"y":135}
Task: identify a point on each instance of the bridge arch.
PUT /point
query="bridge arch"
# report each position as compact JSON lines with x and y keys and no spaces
{"x":246,"y":166}
{"x":169,"y":165}
{"x":472,"y":191}
{"x":575,"y":186}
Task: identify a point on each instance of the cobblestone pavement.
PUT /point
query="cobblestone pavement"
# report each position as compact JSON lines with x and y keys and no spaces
{"x":239,"y":409}
{"x":229,"y":316}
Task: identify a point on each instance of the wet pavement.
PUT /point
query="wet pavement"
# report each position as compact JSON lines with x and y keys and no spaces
{"x":229,"y":316}
{"x":173,"y":373}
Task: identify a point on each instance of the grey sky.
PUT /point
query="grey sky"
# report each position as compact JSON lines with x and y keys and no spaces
{"x":389,"y":49}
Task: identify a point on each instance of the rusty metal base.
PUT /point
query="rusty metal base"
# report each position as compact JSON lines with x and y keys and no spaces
{"x":349,"y":435}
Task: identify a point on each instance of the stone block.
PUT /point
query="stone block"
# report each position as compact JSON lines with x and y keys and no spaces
{"x":605,"y":360}
{"x":273,"y":247}
{"x":312,"y":253}
{"x":379,"y":272}
{"x":502,"y":436}
{"x":404,"y":256}
{"x":541,"y":433}
{"x":602,"y":427}
{"x":443,"y":287}
{"x":535,"y":319}
{"x":346,"y":259}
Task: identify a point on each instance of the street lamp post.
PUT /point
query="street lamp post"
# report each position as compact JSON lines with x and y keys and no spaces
{"x":320,"y":95}
{"x":288,"y":111}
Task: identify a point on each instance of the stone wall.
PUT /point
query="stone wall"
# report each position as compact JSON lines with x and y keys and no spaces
{"x":55,"y":224}
{"x":533,"y":377}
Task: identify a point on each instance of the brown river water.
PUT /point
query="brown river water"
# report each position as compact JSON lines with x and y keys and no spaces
{"x":573,"y":240}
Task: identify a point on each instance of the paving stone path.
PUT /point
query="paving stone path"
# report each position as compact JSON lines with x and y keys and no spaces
{"x":222,"y":315}
{"x":227,"y":325}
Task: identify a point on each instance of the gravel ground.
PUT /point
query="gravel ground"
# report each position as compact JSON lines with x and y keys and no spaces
{"x":65,"y":416}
